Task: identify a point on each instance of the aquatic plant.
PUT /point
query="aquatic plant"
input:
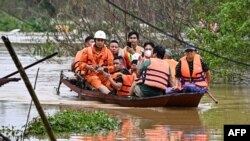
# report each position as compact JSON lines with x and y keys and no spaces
{"x":77,"y":122}
{"x":10,"y":132}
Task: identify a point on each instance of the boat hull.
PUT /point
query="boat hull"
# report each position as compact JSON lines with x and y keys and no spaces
{"x":170,"y":100}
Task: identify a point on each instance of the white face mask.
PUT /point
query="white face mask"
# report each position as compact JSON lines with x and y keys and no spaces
{"x":148,"y":53}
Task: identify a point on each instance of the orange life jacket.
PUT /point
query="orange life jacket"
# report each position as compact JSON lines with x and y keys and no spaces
{"x":102,"y":61}
{"x":75,"y":64}
{"x":75,"y":67}
{"x":97,"y":61}
{"x":156,"y":74}
{"x":198,"y":77}
{"x":134,"y":74}
{"x":127,"y":81}
{"x":172,"y":63}
{"x":127,"y":58}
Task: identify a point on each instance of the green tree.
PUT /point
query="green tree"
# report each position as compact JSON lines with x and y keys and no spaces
{"x":230,"y":39}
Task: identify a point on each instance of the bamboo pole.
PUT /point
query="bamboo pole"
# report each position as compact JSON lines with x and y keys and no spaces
{"x":29,"y":87}
{"x":60,"y":82}
{"x":28,"y":116}
{"x":211,"y":96}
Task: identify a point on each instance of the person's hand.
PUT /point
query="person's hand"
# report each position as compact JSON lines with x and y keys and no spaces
{"x":90,"y":67}
{"x":174,"y":88}
{"x":100,"y":69}
{"x":106,"y":75}
{"x":131,"y":50}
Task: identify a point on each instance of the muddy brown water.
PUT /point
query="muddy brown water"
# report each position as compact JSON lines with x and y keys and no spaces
{"x":202,"y":123}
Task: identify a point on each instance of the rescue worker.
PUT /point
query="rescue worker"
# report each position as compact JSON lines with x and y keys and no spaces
{"x":193,"y":74}
{"x":95,"y":60}
{"x":172,"y":63}
{"x":132,"y":47}
{"x":154,"y":75}
{"x":121,"y":80}
{"x":89,"y":41}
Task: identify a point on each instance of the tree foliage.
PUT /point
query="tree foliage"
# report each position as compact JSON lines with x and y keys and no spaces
{"x":230,"y":39}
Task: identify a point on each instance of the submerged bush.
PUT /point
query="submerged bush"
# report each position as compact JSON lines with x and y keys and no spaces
{"x":10,"y":132}
{"x":81,"y":122}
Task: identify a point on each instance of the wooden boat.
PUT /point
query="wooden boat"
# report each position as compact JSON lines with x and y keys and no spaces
{"x":7,"y":80}
{"x":170,"y":100}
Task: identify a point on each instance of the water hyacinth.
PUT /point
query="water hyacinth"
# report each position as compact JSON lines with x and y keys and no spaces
{"x":77,"y":122}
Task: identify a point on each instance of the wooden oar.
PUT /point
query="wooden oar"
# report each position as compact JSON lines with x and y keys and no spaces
{"x":39,"y":61}
{"x":214,"y":99}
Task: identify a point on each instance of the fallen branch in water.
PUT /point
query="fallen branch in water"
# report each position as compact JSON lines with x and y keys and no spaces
{"x":7,"y":80}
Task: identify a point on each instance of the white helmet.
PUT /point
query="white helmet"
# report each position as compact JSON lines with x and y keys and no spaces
{"x":100,"y":35}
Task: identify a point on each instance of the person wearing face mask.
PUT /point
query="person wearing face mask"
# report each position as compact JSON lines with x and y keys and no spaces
{"x":95,"y":60}
{"x":137,"y":58}
{"x":89,"y":41}
{"x":191,"y":71}
{"x":154,"y":75}
{"x":148,"y":49}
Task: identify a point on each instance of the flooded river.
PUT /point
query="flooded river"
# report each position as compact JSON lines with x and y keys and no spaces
{"x":166,"y":124}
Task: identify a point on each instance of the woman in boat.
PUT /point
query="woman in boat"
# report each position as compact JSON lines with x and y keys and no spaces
{"x":137,"y":58}
{"x":148,"y":49}
{"x":191,"y":71}
{"x":155,"y":75}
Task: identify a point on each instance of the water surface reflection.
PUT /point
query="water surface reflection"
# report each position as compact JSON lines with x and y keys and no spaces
{"x":155,"y":124}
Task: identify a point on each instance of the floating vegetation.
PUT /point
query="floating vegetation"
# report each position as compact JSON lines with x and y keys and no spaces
{"x":76,"y":122}
{"x":10,"y":132}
